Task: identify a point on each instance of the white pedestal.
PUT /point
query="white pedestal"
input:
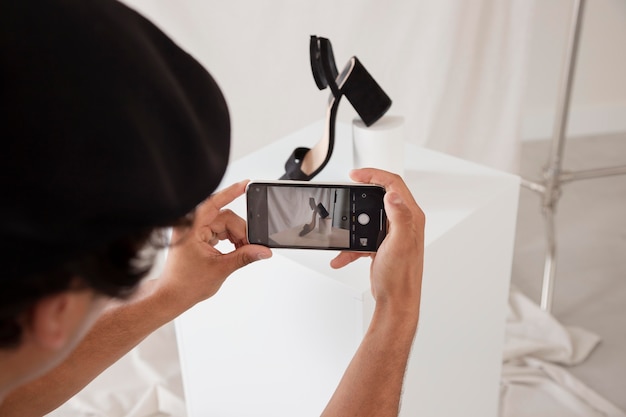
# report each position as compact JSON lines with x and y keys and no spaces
{"x":325,"y":226}
{"x":277,"y":337}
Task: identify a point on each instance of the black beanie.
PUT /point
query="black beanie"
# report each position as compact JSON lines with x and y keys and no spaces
{"x":107,"y":128}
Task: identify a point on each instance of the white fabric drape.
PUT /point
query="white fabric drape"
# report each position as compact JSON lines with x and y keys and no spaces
{"x":472,"y":108}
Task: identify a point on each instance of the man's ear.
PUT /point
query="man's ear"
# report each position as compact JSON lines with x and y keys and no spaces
{"x":55,"y":318}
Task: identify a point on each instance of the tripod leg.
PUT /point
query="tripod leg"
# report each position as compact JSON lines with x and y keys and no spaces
{"x":549,"y":271}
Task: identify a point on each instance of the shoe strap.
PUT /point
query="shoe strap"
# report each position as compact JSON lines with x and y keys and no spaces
{"x":329,"y":66}
{"x":323,"y":64}
{"x":293,"y":165}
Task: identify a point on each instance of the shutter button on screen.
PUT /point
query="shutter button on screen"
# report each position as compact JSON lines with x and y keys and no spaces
{"x":363,"y":219}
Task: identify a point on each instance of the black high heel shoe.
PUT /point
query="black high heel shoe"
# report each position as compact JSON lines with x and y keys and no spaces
{"x":317,"y":209}
{"x":366,"y":96}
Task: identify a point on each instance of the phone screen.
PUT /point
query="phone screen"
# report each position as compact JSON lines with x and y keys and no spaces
{"x":316,"y":216}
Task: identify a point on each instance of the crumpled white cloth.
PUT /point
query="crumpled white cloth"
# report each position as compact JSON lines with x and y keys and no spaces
{"x":534,"y":381}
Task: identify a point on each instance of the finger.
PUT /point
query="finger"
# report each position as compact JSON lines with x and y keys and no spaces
{"x":399,"y":214}
{"x":344,"y":258}
{"x":243,"y":256}
{"x":228,"y":225}
{"x":214,"y":204}
{"x":391,"y":182}
{"x":375,"y":176}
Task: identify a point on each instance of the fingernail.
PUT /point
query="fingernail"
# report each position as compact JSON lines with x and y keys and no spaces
{"x":263,"y":255}
{"x":395,"y":198}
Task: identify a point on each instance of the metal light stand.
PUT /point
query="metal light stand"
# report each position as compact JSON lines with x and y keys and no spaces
{"x":553,"y":175}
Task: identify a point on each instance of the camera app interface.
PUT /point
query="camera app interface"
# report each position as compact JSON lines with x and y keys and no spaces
{"x":316,"y":217}
{"x":308,"y":217}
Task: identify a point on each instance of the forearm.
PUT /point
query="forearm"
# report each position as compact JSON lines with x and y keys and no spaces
{"x":372,"y":383}
{"x":121,"y":327}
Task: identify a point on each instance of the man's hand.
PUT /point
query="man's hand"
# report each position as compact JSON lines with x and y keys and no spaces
{"x":372,"y":384}
{"x":396,"y":269}
{"x":195,"y":269}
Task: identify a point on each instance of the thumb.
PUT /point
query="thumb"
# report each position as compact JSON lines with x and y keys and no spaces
{"x":245,"y":255}
{"x":397,"y":211}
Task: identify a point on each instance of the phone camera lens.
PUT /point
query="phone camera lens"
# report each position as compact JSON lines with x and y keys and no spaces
{"x":257,"y":189}
{"x":363,"y":195}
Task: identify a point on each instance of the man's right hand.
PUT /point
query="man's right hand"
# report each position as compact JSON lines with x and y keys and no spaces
{"x":372,"y":384}
{"x":396,"y":269}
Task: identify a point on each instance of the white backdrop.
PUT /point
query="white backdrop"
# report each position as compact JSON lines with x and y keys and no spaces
{"x":454,"y":68}
{"x":287,"y":209}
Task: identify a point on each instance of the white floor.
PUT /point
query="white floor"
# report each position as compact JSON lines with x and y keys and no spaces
{"x":590,"y":290}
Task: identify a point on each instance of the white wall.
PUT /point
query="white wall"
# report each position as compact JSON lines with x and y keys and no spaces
{"x":599,"y":95}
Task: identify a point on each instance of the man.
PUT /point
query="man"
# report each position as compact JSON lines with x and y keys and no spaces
{"x":114,"y":133}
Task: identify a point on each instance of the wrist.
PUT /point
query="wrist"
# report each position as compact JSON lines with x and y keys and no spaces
{"x":158,"y":303}
{"x":167,"y":301}
{"x":396,"y":317}
{"x":400,"y":302}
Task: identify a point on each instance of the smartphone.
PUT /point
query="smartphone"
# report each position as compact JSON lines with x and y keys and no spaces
{"x":305,"y":215}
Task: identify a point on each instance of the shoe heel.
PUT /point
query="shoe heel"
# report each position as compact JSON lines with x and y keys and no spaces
{"x":321,"y":210}
{"x":366,"y":96}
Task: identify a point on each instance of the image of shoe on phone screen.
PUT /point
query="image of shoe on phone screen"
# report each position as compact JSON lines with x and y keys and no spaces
{"x":307,"y":215}
{"x":317,"y":216}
